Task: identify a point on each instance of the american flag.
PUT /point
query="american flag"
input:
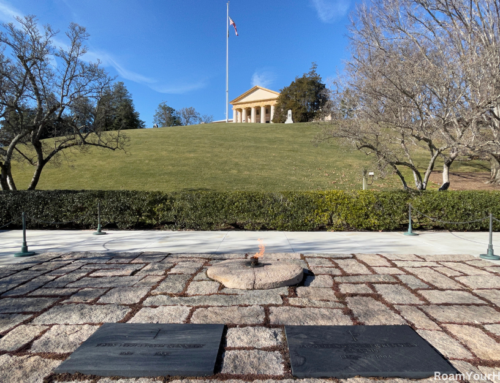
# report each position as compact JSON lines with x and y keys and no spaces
{"x":231,"y":22}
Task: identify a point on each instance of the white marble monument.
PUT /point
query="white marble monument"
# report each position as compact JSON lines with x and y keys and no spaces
{"x":289,"y":117}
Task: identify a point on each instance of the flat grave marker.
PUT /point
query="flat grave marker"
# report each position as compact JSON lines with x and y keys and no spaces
{"x":135,"y":350}
{"x":370,"y":351}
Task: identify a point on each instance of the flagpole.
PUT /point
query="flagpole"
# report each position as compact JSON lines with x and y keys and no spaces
{"x":227,"y":65}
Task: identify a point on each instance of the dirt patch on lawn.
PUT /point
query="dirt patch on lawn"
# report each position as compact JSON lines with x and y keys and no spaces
{"x":464,"y":181}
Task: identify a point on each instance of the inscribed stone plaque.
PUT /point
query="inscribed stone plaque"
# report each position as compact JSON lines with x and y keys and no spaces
{"x":147,"y":350}
{"x":375,"y":351}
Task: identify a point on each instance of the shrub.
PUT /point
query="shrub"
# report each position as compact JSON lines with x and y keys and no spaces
{"x":287,"y":211}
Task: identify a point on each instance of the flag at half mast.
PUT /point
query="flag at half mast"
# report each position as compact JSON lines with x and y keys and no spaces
{"x":231,"y":22}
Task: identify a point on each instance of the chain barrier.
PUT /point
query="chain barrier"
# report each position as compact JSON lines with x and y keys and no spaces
{"x":498,"y":220}
{"x":438,"y":220}
{"x":7,"y":224}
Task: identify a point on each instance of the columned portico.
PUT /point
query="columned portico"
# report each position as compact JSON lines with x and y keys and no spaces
{"x":256,"y":106}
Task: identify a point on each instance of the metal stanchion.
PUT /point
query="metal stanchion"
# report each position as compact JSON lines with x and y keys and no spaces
{"x":490,"y":254}
{"x":99,"y":232}
{"x":24,"y":249}
{"x":409,"y":232}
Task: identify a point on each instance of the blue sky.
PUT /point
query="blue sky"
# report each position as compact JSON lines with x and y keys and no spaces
{"x":175,"y":50}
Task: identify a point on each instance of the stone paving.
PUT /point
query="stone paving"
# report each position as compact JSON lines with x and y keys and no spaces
{"x":51,"y":303}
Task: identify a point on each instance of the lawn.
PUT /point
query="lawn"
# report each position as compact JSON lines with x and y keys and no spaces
{"x":222,"y":157}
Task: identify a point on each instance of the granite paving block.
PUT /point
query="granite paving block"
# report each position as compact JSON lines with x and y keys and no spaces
{"x":480,"y":282}
{"x":470,"y":372}
{"x":29,"y":286}
{"x":317,"y":270}
{"x":149,"y":281}
{"x":481,"y":344}
{"x":396,"y":294}
{"x":213,"y":300}
{"x":308,"y":316}
{"x":410,"y":264}
{"x":388,"y":270}
{"x":445,"y":344}
{"x":21,"y":305}
{"x":434,"y":278}
{"x":24,"y":369}
{"x":462,"y":313}
{"x":256,"y":337}
{"x":202,"y":275}
{"x":203,"y":288}
{"x":229,"y":315}
{"x":150,"y":257}
{"x":172,"y":284}
{"x":448,"y":257}
{"x":319,"y":262}
{"x":491,"y":373}
{"x":52,"y":291}
{"x":352,"y":266}
{"x":65,"y":270}
{"x":82,"y":314}
{"x":86,"y":295}
{"x":316,"y":293}
{"x":188,"y":268}
{"x":66,"y":279}
{"x":331,"y":255}
{"x":112,"y":273}
{"x":163,"y":314}
{"x":373,"y":260}
{"x":63,"y":339}
{"x":447,"y":271}
{"x":8,"y":321}
{"x":417,"y":317}
{"x":155,"y":269}
{"x":124,"y":295}
{"x":401,"y":257}
{"x":371,"y":312}
{"x":450,"y":296}
{"x":20,"y":336}
{"x":351,"y":288}
{"x":306,"y":302}
{"x":492,"y":295}
{"x":103,"y":282}
{"x":412,"y":282}
{"x":465,"y":269}
{"x":252,"y":362}
{"x":318,"y":281}
{"x":365,"y":278}
{"x":493,"y":328}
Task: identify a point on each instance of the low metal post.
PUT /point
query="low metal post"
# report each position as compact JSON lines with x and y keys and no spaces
{"x":99,"y":232}
{"x":409,"y":232}
{"x":490,"y":254}
{"x":24,"y":249}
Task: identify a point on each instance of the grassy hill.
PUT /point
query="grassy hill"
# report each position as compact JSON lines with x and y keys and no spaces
{"x":223,"y":157}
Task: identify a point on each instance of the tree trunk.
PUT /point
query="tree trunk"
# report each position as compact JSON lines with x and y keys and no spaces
{"x":446,"y":170}
{"x":495,"y":170}
{"x":3,"y":177}
{"x":418,"y":181}
{"x":36,"y":175}
{"x":405,"y":186}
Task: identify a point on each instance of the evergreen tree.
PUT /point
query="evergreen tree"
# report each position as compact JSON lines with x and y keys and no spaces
{"x":166,"y":116}
{"x":305,"y":97}
{"x":117,"y":110}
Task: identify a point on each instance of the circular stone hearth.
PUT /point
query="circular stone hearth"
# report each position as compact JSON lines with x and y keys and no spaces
{"x":238,"y":274}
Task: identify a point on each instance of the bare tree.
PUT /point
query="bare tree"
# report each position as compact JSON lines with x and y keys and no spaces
{"x":206,"y":119}
{"x":39,"y":99}
{"x":411,"y":87}
{"x":189,"y":116}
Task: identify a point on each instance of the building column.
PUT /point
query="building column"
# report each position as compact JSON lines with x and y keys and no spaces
{"x":235,"y":114}
{"x":238,"y":115}
{"x":253,"y":114}
{"x":244,"y":115}
{"x":262,"y":114}
{"x":272,"y":113}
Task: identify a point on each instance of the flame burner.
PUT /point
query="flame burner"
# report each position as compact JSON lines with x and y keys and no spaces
{"x":254,"y":262}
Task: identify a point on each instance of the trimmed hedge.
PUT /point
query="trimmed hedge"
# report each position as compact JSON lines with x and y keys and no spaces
{"x":288,"y":211}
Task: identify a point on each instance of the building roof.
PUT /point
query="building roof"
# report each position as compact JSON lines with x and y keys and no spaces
{"x":272,"y":94}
